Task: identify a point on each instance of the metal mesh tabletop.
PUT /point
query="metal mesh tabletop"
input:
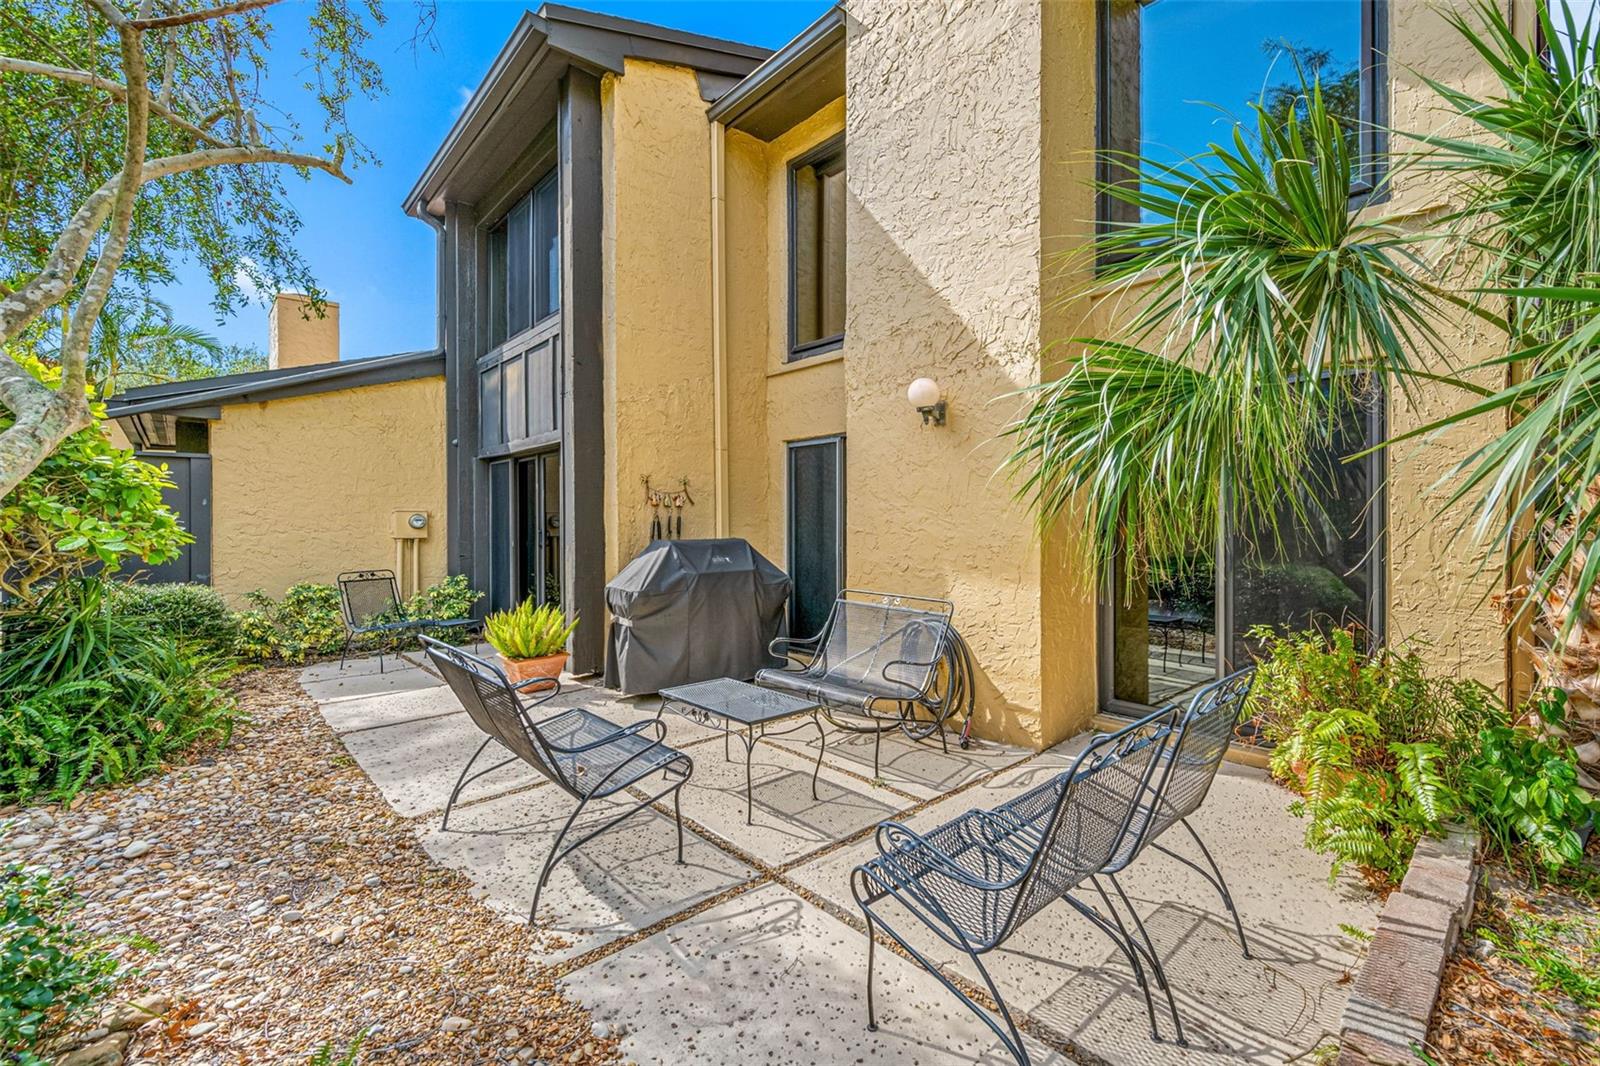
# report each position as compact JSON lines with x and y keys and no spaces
{"x":738,"y":701}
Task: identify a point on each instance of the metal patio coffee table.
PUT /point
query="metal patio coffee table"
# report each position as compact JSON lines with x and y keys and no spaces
{"x":745,"y":711}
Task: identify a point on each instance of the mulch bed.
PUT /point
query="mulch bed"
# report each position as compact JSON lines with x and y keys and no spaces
{"x":294,"y":911}
{"x":1494,"y":1007}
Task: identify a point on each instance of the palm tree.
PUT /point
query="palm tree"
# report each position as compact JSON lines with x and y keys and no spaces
{"x":1267,"y":306}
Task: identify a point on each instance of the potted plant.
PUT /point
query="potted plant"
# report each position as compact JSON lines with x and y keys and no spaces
{"x":531,"y":639}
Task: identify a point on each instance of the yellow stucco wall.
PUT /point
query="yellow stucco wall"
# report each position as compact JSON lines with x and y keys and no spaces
{"x":303,"y":488}
{"x":655,"y":144}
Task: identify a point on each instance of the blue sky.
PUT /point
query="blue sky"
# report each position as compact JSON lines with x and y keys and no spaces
{"x":374,"y":260}
{"x":379,"y":264}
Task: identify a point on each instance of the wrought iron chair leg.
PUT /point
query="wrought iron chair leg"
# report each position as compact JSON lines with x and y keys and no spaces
{"x":1119,"y":936}
{"x":822,"y":747}
{"x":344,"y":652}
{"x":877,"y":742}
{"x":550,"y":860}
{"x":1155,"y":959}
{"x":460,"y":783}
{"x":1222,"y":886}
{"x":872,"y":944}
{"x":677,"y":815}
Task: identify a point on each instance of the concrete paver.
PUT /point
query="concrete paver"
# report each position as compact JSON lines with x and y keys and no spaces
{"x":415,"y":764}
{"x":920,"y":768}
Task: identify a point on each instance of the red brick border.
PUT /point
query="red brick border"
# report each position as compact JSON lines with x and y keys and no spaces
{"x":1398,"y":984}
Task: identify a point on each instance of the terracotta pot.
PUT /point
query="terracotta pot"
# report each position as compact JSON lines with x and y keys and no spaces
{"x":519,"y":670}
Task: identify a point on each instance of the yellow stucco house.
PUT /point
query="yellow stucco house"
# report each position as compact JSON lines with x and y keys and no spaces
{"x":673,"y":259}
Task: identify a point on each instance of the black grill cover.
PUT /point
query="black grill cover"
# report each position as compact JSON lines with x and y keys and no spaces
{"x":692,"y":610}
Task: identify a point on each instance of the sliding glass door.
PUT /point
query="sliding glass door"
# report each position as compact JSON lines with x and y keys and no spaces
{"x":525,"y":534}
{"x":816,"y":531}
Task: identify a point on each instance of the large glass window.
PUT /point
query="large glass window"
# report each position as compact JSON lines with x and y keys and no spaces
{"x":525,"y":263}
{"x":816,"y":251}
{"x":1176,"y":75}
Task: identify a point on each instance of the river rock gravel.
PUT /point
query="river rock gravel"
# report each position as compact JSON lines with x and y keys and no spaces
{"x":289,"y":909}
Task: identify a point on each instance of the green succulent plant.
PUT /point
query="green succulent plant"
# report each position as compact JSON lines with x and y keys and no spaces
{"x":529,"y":631}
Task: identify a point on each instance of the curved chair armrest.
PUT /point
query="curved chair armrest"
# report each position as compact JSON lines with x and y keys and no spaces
{"x":612,"y":738}
{"x":785,"y":647}
{"x":524,"y":688}
{"x":927,"y":853}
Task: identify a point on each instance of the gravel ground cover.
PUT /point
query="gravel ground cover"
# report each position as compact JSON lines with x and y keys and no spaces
{"x":1524,"y":984}
{"x":291,"y":911}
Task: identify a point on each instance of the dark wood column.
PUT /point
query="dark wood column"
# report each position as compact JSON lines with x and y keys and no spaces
{"x":583,"y":369}
{"x":458,"y":333}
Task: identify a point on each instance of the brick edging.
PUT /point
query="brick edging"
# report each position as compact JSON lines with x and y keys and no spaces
{"x":1398,"y":984}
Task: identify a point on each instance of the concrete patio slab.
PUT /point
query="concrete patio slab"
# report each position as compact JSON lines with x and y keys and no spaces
{"x":620,"y":882}
{"x":789,"y":823}
{"x":356,"y":681}
{"x":415,"y":764}
{"x":920,"y":768}
{"x":389,"y":708}
{"x":768,"y":978}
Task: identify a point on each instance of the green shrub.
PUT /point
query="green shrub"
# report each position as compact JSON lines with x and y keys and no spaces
{"x":451,"y":598}
{"x":94,"y":697}
{"x":51,"y":973}
{"x":528,"y":631}
{"x":88,"y":504}
{"x":189,"y":613}
{"x":1383,"y":754}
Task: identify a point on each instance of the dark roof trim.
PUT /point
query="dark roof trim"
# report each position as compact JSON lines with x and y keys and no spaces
{"x":278,"y":384}
{"x":812,"y":48}
{"x":559,"y":36}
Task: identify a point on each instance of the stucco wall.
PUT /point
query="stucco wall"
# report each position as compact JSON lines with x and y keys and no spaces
{"x":655,"y":143}
{"x":948,"y":185}
{"x":303,"y":488}
{"x":771,"y":400}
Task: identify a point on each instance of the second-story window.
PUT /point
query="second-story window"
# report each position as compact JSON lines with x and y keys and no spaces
{"x":1176,"y":75}
{"x":525,"y":263}
{"x":816,"y":250}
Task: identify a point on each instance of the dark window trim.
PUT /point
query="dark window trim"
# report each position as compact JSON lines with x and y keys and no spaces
{"x":550,"y":175}
{"x":790,"y":511}
{"x":826,"y":150}
{"x":1369,"y":187}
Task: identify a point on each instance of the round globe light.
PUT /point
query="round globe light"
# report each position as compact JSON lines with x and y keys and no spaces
{"x":923,"y":392}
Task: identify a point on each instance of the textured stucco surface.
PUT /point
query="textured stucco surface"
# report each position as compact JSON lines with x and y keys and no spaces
{"x":303,"y":488}
{"x":949,"y":183}
{"x":656,"y":145}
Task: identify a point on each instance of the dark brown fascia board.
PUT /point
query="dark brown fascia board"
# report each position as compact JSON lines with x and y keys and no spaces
{"x":278,"y":384}
{"x":808,"y":46}
{"x":599,"y":44}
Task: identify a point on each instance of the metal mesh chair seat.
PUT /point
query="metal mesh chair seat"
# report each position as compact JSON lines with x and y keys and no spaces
{"x":977,"y":878}
{"x":586,"y":755}
{"x":879,"y":659}
{"x":602,"y":759}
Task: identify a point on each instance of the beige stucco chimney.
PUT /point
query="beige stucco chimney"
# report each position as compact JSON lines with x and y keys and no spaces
{"x":297,"y":337}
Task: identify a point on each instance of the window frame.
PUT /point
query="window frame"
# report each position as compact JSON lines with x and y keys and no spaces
{"x":1369,"y":186}
{"x":791,"y":512}
{"x":819,"y":153}
{"x":497,"y":265}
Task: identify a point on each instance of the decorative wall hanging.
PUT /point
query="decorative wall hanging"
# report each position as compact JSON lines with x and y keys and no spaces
{"x":672,"y":501}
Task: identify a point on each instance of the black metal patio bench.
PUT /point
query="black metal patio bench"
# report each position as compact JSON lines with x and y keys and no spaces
{"x":587,"y":756}
{"x":881,"y":662}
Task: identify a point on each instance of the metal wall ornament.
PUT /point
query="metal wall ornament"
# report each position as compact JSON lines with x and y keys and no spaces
{"x":668,"y":526}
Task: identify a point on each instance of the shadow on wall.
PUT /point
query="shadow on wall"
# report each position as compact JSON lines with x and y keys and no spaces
{"x":928,"y":515}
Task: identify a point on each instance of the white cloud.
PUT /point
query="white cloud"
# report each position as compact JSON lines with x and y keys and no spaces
{"x":463,"y":94}
{"x":244,"y":277}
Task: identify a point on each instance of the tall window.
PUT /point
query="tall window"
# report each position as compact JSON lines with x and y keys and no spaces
{"x":816,"y":251}
{"x":525,"y":263}
{"x":1176,"y":74}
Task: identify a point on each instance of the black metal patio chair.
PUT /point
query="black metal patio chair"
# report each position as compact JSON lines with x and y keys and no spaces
{"x":975,"y":880}
{"x":589,"y":757}
{"x":881,"y":662}
{"x":369,"y":602}
{"x":1180,"y":785}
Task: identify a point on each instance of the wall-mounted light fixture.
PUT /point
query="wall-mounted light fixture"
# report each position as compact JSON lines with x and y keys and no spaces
{"x":924,"y":396}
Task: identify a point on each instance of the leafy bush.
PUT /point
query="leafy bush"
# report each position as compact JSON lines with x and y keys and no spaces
{"x":88,"y":504}
{"x":1382,"y":754}
{"x":51,"y":973}
{"x":528,"y":631}
{"x":190,"y":614}
{"x":96,"y":697}
{"x":306,"y":623}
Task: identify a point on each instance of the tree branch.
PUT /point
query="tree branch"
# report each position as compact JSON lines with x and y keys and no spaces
{"x":205,"y":15}
{"x":12,"y":65}
{"x":50,"y":285}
